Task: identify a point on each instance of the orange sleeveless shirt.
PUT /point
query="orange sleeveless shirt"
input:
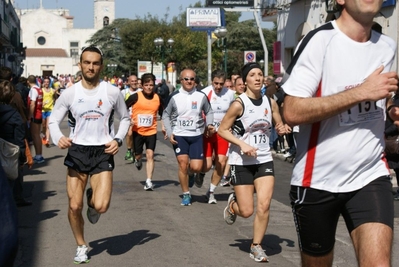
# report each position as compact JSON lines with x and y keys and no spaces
{"x":144,"y":114}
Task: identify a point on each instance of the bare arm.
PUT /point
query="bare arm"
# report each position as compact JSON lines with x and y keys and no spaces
{"x":377,"y":86}
{"x":233,"y":112}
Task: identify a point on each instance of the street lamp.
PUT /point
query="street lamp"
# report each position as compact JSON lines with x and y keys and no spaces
{"x":162,"y":49}
{"x":221,"y":33}
{"x":261,"y":63}
{"x":112,"y":67}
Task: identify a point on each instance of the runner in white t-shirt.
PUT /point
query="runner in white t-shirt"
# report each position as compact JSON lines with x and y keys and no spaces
{"x":91,"y":105}
{"x":339,"y":80}
{"x":215,"y":147}
{"x":126,"y":93}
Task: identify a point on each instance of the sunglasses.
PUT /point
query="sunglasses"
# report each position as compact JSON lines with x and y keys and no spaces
{"x":92,"y":48}
{"x":189,"y":79}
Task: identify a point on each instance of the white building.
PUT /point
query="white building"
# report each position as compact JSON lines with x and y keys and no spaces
{"x":295,"y":18}
{"x":53,"y":44}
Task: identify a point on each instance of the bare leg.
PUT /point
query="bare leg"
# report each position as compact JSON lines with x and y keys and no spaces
{"x":373,"y":244}
{"x":150,"y":163}
{"x":76,"y":184}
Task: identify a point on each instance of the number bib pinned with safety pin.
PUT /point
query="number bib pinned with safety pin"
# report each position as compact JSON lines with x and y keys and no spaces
{"x":145,"y":120}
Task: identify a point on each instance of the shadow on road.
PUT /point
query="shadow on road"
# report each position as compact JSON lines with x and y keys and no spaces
{"x":271,"y":243}
{"x":117,"y":245}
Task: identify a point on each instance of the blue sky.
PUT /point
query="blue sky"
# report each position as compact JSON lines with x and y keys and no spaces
{"x":82,"y":10}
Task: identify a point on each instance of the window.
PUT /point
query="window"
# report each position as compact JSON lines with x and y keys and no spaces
{"x":41,"y":40}
{"x":105,"y":21}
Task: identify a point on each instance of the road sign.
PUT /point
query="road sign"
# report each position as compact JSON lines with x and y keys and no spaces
{"x":249,"y":56}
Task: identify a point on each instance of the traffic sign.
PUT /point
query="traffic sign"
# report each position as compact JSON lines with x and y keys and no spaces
{"x":249,"y":56}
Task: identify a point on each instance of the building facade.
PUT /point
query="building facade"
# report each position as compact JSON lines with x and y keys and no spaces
{"x":52,"y":43}
{"x":11,"y":48}
{"x":295,"y":18}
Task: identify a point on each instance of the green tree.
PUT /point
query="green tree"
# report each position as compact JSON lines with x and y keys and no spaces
{"x":126,"y":41}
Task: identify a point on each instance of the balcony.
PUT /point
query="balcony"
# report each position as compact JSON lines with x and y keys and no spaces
{"x":5,"y":31}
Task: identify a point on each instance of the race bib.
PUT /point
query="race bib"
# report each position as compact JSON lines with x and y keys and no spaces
{"x":259,"y":141}
{"x":186,"y":123}
{"x":216,"y":124}
{"x":363,"y":112}
{"x":145,"y":120}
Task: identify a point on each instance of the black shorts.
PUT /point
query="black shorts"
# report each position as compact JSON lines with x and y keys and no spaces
{"x":316,"y":212}
{"x":246,"y":175}
{"x":139,"y":141}
{"x":37,"y":121}
{"x":193,"y":146}
{"x":89,"y":159}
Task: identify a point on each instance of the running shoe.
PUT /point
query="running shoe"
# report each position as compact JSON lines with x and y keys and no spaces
{"x":396,"y":196}
{"x":139,"y":164}
{"x":128,"y":155}
{"x":92,"y":214}
{"x":258,"y":254}
{"x":210,"y":196}
{"x":81,"y":255}
{"x":225,"y":181}
{"x":148,"y":186}
{"x":191,"y":179}
{"x":287,"y":155}
{"x":38,"y":159}
{"x":186,"y":201}
{"x":199,"y":179}
{"x":228,"y":214}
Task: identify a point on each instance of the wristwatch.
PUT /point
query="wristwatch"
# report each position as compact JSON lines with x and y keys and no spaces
{"x":119,"y":141}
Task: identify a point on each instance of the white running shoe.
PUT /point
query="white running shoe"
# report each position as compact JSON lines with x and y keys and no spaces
{"x":148,"y":186}
{"x":258,"y":254}
{"x":81,"y":255}
{"x":228,"y":214}
{"x":211,"y":197}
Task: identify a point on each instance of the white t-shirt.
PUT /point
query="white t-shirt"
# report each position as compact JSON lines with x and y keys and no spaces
{"x":220,"y":103}
{"x":92,"y":114}
{"x":345,"y":152}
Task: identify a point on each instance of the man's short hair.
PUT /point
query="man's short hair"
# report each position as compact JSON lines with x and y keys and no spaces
{"x":32,"y":79}
{"x":146,"y":77}
{"x":218,"y":74}
{"x":92,"y":48}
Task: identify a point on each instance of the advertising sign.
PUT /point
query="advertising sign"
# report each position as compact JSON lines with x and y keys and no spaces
{"x":203,"y":17}
{"x":230,"y":3}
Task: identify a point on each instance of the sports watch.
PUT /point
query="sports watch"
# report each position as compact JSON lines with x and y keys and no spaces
{"x":119,"y":141}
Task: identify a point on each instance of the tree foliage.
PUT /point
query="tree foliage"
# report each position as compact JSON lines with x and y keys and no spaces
{"x":126,"y":41}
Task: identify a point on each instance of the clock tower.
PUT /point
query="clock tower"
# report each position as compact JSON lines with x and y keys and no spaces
{"x":104,"y":13}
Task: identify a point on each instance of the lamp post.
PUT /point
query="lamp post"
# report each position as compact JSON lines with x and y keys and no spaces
{"x":112,"y":67}
{"x":221,"y":33}
{"x":261,"y":63}
{"x":163,"y":49}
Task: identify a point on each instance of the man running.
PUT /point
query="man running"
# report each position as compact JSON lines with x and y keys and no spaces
{"x":184,"y":126}
{"x":220,"y":98}
{"x":145,"y":106}
{"x":91,"y":146}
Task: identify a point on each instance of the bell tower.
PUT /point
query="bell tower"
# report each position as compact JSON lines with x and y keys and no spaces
{"x":104,"y":13}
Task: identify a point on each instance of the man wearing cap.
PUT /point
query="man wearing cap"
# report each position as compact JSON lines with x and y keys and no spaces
{"x":90,"y":105}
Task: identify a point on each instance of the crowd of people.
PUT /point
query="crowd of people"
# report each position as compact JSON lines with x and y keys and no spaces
{"x":234,"y":124}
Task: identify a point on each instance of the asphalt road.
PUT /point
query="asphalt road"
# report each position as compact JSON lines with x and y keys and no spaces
{"x":151,"y":228}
